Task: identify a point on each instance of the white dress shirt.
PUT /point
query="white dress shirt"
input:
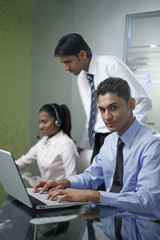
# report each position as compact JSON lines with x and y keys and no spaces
{"x":103,"y":67}
{"x":56,"y":157}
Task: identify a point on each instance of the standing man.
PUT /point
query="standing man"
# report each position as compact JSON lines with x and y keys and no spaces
{"x":78,"y":59}
{"x":128,"y":162}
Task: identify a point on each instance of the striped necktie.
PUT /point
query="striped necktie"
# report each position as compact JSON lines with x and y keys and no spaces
{"x":91,"y":133}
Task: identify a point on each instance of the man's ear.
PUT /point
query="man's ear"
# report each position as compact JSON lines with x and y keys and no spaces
{"x":131,"y":104}
{"x":82,"y":54}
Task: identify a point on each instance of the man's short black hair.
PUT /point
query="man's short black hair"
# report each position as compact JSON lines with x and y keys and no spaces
{"x":114,"y":85}
{"x":71,"y":44}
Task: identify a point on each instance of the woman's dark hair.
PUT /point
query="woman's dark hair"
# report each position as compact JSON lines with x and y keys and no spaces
{"x":71,"y":44}
{"x":114,"y":85}
{"x":61,"y":114}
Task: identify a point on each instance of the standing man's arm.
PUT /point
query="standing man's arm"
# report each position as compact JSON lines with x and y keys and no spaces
{"x":143,"y":101}
{"x":84,"y":91}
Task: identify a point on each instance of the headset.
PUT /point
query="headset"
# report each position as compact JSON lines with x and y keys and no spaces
{"x":58,"y":121}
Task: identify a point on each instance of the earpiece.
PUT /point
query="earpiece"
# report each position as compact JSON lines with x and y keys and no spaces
{"x":58,"y":121}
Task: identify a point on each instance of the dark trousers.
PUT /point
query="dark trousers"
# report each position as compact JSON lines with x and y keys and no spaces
{"x":98,"y":142}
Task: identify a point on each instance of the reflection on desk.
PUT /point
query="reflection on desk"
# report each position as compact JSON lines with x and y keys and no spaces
{"x":19,"y":222}
{"x":84,"y":223}
{"x":130,"y":226}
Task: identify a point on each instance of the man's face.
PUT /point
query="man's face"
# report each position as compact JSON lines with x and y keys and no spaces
{"x":115,"y":112}
{"x":73,"y":64}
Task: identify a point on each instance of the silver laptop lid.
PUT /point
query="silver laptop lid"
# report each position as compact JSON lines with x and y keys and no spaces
{"x":11,"y":179}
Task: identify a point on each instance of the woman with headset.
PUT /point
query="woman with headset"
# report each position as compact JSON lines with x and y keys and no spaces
{"x":55,"y":153}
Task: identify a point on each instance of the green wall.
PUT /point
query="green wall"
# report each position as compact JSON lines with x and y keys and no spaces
{"x":15,"y":74}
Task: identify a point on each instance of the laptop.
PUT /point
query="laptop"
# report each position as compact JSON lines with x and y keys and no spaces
{"x":13,"y":184}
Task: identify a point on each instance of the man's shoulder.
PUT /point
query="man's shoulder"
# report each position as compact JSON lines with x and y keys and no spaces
{"x":142,"y":136}
{"x":107,"y":58}
{"x":148,"y":132}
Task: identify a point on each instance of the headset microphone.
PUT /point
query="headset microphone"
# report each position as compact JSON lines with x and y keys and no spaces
{"x":38,"y":136}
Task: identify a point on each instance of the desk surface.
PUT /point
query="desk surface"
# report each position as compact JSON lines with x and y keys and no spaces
{"x":21,"y":223}
{"x":80,"y":223}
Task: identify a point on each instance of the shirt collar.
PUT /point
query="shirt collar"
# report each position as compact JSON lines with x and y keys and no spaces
{"x":93,"y":64}
{"x":53,"y":139}
{"x":130,"y":133}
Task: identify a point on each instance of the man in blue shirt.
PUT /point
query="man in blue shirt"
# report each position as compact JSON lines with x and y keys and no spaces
{"x":141,"y":158}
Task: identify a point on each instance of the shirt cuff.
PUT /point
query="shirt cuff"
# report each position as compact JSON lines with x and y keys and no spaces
{"x":108,"y":199}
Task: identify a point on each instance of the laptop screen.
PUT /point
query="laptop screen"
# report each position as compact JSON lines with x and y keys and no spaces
{"x":11,"y":179}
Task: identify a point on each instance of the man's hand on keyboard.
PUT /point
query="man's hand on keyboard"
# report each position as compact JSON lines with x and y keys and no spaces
{"x":51,"y":185}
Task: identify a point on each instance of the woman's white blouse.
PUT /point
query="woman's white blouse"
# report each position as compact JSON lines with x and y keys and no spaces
{"x":56,"y":157}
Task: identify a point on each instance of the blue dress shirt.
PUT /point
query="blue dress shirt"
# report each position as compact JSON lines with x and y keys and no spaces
{"x":141,"y":171}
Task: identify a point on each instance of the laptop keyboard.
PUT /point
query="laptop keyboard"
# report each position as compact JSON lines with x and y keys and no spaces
{"x":42,"y":198}
{"x":35,"y":201}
